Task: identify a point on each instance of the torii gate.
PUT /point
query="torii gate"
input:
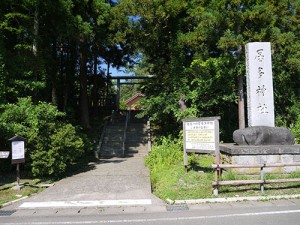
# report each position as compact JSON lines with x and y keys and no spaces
{"x":119,"y":78}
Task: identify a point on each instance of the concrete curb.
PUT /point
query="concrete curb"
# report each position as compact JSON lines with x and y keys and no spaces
{"x":233,"y":199}
{"x":12,"y":202}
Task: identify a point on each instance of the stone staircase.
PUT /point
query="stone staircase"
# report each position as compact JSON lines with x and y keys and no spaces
{"x":136,"y":144}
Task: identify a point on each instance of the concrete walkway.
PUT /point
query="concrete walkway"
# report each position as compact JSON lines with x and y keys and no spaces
{"x":115,"y":182}
{"x":114,"y":179}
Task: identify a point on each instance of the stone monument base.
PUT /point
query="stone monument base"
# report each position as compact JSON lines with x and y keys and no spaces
{"x":245,"y":154}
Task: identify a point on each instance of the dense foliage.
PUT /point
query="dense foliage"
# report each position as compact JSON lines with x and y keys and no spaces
{"x":295,"y":128}
{"x":195,"y":50}
{"x":51,"y":144}
{"x":53,"y":51}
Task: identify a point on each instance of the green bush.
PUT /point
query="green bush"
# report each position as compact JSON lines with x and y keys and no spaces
{"x":168,"y":177}
{"x":165,"y":152}
{"x":65,"y":148}
{"x":295,"y":129}
{"x":52,"y":145}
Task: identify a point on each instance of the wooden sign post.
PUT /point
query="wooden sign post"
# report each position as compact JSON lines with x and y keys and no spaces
{"x":17,"y":154}
{"x":201,"y":135}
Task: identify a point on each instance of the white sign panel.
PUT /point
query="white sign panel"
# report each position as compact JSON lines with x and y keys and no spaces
{"x":260,"y":98}
{"x":18,"y":150}
{"x":4,"y":155}
{"x":201,"y":135}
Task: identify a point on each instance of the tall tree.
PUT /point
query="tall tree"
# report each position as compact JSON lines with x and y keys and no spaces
{"x":16,"y":24}
{"x":197,"y":49}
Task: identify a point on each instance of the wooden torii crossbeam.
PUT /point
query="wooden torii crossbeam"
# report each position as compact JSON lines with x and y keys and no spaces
{"x":119,"y":78}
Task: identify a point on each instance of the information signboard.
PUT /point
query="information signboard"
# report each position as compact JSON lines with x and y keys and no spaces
{"x":4,"y":155}
{"x":18,"y":150}
{"x":201,"y":135}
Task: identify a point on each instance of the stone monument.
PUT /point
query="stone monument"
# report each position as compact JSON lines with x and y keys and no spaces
{"x":260,"y":100}
{"x":261,"y":141}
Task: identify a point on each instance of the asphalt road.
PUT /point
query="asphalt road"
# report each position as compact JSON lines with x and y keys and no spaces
{"x":260,"y":213}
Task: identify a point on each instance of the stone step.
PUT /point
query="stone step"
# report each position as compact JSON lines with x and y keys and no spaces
{"x":113,"y":139}
{"x":130,"y":136}
{"x":128,"y":131}
{"x":136,"y":139}
{"x":137,"y":129}
{"x":111,"y":145}
{"x":137,"y":125}
{"x":136,"y":144}
{"x":118,"y":141}
{"x":136,"y":136}
{"x":115,"y":153}
{"x":111,"y":155}
{"x":111,"y":130}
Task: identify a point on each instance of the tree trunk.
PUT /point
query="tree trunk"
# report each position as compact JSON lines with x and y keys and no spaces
{"x":70,"y":74}
{"x":66,"y":84}
{"x":53,"y":71}
{"x":84,"y":107}
{"x":35,"y":31}
{"x":35,"y":48}
{"x":95,"y":85}
{"x":241,"y":103}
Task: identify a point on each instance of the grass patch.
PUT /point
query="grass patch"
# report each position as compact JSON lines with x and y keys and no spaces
{"x":167,"y":172}
{"x":7,"y":194}
{"x":174,"y":183}
{"x":170,"y":181}
{"x":254,"y":189}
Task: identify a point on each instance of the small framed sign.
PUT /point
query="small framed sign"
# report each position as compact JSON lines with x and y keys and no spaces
{"x":17,"y":154}
{"x":200,"y":135}
{"x":4,"y":155}
{"x":17,"y":149}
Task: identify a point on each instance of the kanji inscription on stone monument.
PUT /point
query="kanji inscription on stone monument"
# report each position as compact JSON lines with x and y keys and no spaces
{"x":260,"y":99}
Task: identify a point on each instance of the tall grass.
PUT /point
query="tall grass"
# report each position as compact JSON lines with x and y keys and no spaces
{"x":165,"y":153}
{"x":167,"y":171}
{"x":169,"y":180}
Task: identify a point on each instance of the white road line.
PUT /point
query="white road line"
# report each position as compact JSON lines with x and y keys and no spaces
{"x":158,"y":219}
{"x":233,"y":199}
{"x":54,"y":204}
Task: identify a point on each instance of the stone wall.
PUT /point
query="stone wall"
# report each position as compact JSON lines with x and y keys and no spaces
{"x":249,"y":155}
